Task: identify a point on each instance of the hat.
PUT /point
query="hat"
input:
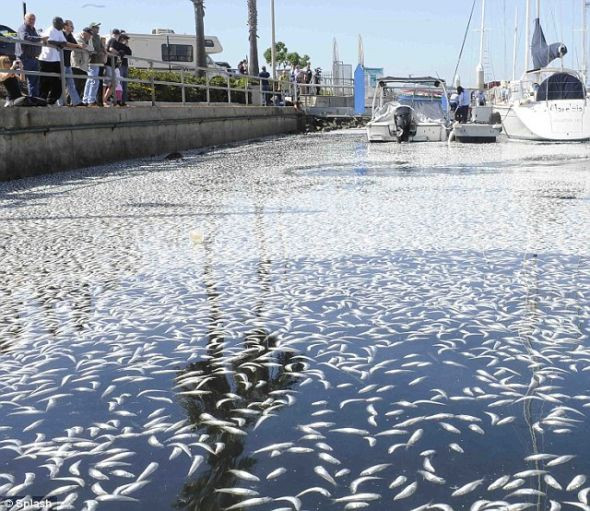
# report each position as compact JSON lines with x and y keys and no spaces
{"x":88,"y":30}
{"x":115,"y":31}
{"x":123,"y":36}
{"x":94,"y":24}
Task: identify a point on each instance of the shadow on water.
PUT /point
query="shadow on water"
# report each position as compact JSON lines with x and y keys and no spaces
{"x":233,"y":394}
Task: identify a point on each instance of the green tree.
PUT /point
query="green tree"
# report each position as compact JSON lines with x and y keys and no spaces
{"x":284,"y":56}
{"x":293,"y":58}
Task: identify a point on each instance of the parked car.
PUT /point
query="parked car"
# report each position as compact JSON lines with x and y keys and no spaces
{"x":225,"y":65}
{"x":7,"y":48}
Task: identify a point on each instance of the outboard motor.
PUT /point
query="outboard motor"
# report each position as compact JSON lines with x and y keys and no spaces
{"x":404,"y":122}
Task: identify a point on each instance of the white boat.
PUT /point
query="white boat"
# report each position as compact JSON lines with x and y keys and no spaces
{"x":546,"y":104}
{"x":409,"y":110}
{"x":479,"y":130}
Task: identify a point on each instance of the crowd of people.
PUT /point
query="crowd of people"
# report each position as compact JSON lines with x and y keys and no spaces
{"x":94,"y":65}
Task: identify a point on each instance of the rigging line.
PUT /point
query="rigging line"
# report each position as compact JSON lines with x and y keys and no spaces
{"x":464,"y":39}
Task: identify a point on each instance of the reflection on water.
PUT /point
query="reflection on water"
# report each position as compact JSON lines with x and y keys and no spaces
{"x":359,"y":327}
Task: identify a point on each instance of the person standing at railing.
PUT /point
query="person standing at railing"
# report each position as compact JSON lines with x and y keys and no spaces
{"x":308,"y":78}
{"x":70,"y":83}
{"x":317,"y":79}
{"x":265,"y":85}
{"x":50,"y":62}
{"x":81,"y":59}
{"x":95,"y":67}
{"x":117,"y":51}
{"x":111,"y":64}
{"x":29,"y":54}
{"x":124,"y":52}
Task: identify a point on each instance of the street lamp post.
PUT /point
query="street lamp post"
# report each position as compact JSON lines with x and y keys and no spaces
{"x":273,"y":42}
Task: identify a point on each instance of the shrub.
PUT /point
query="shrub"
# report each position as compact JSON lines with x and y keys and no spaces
{"x":173,"y":93}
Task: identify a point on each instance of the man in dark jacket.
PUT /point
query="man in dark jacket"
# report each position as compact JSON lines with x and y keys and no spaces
{"x":265,"y":85}
{"x":29,"y":54}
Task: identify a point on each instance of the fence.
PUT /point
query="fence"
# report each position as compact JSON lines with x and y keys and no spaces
{"x":254,"y":89}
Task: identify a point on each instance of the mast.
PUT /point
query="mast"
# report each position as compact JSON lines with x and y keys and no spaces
{"x":480,"y":69}
{"x":273,"y":49}
{"x":515,"y":43}
{"x":527,"y":46}
{"x":584,"y":40}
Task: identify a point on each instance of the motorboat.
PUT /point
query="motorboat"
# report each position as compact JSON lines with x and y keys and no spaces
{"x":479,"y":130}
{"x":409,"y":109}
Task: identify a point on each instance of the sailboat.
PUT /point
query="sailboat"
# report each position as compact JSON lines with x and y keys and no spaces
{"x":547,"y":103}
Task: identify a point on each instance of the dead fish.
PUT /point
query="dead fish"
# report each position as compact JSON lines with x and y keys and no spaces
{"x":576,"y":482}
{"x":315,"y":489}
{"x":498,"y":483}
{"x":255,"y":501}
{"x":276,"y":473}
{"x":240,"y":492}
{"x":360,"y":480}
{"x":430,"y":477}
{"x":398,"y":481}
{"x":551,"y":481}
{"x":467,"y":488}
{"x":323,"y":473}
{"x":359,"y":497}
{"x":560,"y":460}
{"x":415,"y":438}
{"x":197,"y":460}
{"x":408,"y":491}
{"x":456,"y":448}
{"x":375,"y":469}
{"x":242,"y":474}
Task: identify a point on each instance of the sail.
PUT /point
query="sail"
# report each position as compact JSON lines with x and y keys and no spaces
{"x":543,"y":53}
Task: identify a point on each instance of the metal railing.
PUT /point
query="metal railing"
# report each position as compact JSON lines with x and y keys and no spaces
{"x":280,"y":92}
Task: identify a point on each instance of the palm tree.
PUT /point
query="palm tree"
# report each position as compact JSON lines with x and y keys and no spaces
{"x":201,"y":56}
{"x":253,"y":37}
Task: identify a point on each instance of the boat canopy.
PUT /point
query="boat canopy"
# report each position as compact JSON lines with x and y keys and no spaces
{"x":561,"y":86}
{"x":421,"y":80}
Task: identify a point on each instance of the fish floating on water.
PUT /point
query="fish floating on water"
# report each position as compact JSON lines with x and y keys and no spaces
{"x":267,"y":364}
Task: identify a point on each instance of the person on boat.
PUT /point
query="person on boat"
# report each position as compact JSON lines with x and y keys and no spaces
{"x":462,"y":113}
{"x":481,"y":98}
{"x":454,"y":101}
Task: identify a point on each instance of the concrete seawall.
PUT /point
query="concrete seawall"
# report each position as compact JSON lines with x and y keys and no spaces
{"x":37,"y":141}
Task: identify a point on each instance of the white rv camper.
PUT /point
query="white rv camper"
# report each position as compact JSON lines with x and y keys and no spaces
{"x":173,"y":49}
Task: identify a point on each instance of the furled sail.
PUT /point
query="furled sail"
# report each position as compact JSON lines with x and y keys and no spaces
{"x":543,"y":53}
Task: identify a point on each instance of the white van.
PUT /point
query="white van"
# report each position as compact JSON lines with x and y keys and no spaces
{"x":173,"y":49}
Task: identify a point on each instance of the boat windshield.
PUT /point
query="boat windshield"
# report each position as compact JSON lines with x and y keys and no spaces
{"x":561,"y":86}
{"x":426,"y":102}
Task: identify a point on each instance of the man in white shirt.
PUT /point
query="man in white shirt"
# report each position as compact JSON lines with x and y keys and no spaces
{"x":49,"y":60}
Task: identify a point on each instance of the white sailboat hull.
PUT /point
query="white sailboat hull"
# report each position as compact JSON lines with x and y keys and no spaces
{"x":549,"y":121}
